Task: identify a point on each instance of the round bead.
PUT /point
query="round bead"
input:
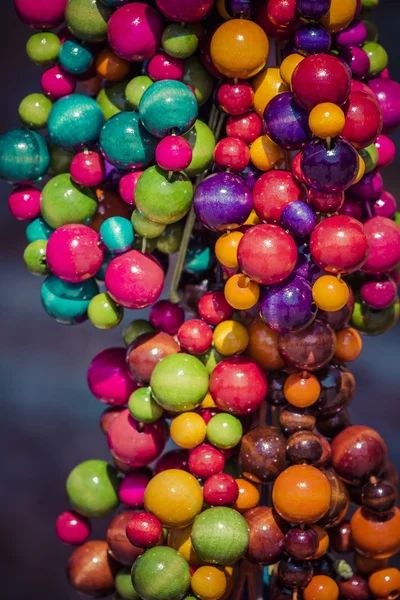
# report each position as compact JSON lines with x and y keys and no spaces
{"x":220,"y":489}
{"x":205,"y":461}
{"x":179,"y":40}
{"x":288,"y":66}
{"x":75,"y":121}
{"x":208,"y":583}
{"x":321,"y":587}
{"x":224,"y":431}
{"x":121,"y":548}
{"x":226,"y":249}
{"x":166,"y":316}
{"x":263,"y":346}
{"x":174,"y":153}
{"x":235,"y":97}
{"x":103,"y":313}
{"x":125,"y":143}
{"x":75,"y":57}
{"x":330,"y":293}
{"x":241,"y":293}
{"x":262,"y":454}
{"x":116,"y":234}
{"x":287,"y":123}
{"x":294,"y":419}
{"x":134,"y":32}
{"x":43,"y":48}
{"x":195,"y":336}
{"x":34,"y":111}
{"x":230,"y":337}
{"x":35,"y":258}
{"x":325,"y":202}
{"x":312,"y":39}
{"x":202,"y":141}
{"x":143,"y":407}
{"x":175,"y":459}
{"x":294,"y":574}
{"x":348,"y":345}
{"x":363,"y":120}
{"x":146,"y":351}
{"x":132,"y":488}
{"x":91,"y":570}
{"x":111,"y":67}
{"x":386,"y":151}
{"x":213,"y":308}
{"x":67,"y":303}
{"x":374,"y":536}
{"x":304,"y":447}
{"x":249,"y":496}
{"x":266,"y":535}
{"x":321,"y":78}
{"x":232,"y":153}
{"x":298,"y":218}
{"x":143,"y":530}
{"x":46,"y":16}
{"x":108,"y":377}
{"x":379,"y":497}
{"x":357,"y":453}
{"x":24,"y":204}
{"x":386,"y":92}
{"x":56,"y":83}
{"x":384,"y":237}
{"x":326,"y":120}
{"x":162,"y":66}
{"x":246,"y":127}
{"x":266,"y":86}
{"x":302,"y":389}
{"x":87,"y":20}
{"x":194,"y":10}
{"x":341,"y":161}
{"x":339,"y":15}
{"x":87,"y":169}
{"x":161,"y":573}
{"x":301,"y":544}
{"x":354,"y":35}
{"x":188,"y":430}
{"x":72,"y":528}
{"x":92,"y":488}
{"x":272,"y":192}
{"x":384,"y":583}
{"x":310,"y":349}
{"x":24,"y":156}
{"x":312,"y":9}
{"x":63,"y":202}
{"x":265,"y":154}
{"x":379,"y":294}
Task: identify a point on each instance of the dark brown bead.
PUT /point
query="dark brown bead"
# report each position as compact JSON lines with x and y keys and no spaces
{"x":91,"y":570}
{"x":266,"y":535}
{"x":294,"y":419}
{"x":340,"y":501}
{"x":338,"y":387}
{"x":301,"y":544}
{"x":276,"y":382}
{"x":389,"y":473}
{"x":304,"y":447}
{"x":325,"y":459}
{"x":339,"y":538}
{"x":331,"y":426}
{"x":355,"y":588}
{"x":262,"y":455}
{"x":147,"y":351}
{"x":120,"y":547}
{"x":108,"y":416}
{"x":310,"y":349}
{"x":379,"y":497}
{"x":295,"y":574}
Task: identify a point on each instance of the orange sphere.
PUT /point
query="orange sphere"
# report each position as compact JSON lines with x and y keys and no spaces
{"x":180,"y":540}
{"x":361,"y":169}
{"x":226,"y":249}
{"x":188,"y":430}
{"x":384,"y":583}
{"x":230,"y":337}
{"x":239,"y":48}
{"x":326,"y":120}
{"x":266,"y":86}
{"x":373,"y":536}
{"x":265,"y":154}
{"x":249,"y":496}
{"x":263,"y":347}
{"x":112,"y":67}
{"x":340,"y":15}
{"x":288,"y":66}
{"x":302,"y":389}
{"x":348,"y":344}
{"x":323,"y":541}
{"x":330,"y":293}
{"x":252,"y":219}
{"x":241,"y":293}
{"x":208,"y":583}
{"x":321,"y":587}
{"x":301,"y":494}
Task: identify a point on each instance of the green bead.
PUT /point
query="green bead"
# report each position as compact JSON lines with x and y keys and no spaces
{"x":369,"y":4}
{"x":65,"y":302}
{"x":199,"y":258}
{"x":179,"y":40}
{"x":92,"y":488}
{"x":202,"y":141}
{"x":124,"y":586}
{"x":35,"y":258}
{"x":220,"y":536}
{"x":162,"y":197}
{"x":38,"y":230}
{"x":378,"y":57}
{"x":43,"y":48}
{"x":375,"y":322}
{"x":199,"y":78}
{"x":112,"y":99}
{"x":136,"y":88}
{"x":211,"y":358}
{"x":170,"y":240}
{"x":145,"y":245}
{"x":134,"y":330}
{"x":143,"y":407}
{"x":372,"y":30}
{"x":224,"y":431}
{"x":63,"y":202}
{"x":179,"y":382}
{"x":104,"y":313}
{"x":161,"y":573}
{"x":60,"y":160}
{"x":144,"y":227}
{"x":370,"y":157}
{"x":87,"y":19}
{"x":34,"y":110}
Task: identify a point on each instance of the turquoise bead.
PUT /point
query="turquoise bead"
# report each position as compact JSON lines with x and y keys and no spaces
{"x":38,"y":229}
{"x":24,"y":156}
{"x":67,"y":303}
{"x":168,"y":106}
{"x":117,"y":235}
{"x":125,"y":143}
{"x":199,"y":258}
{"x":75,"y":121}
{"x":75,"y":58}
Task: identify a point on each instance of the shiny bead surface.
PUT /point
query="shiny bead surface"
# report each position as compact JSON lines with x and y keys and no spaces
{"x":341,"y":161}
{"x":302,"y":389}
{"x":125,"y":143}
{"x":384,"y":583}
{"x":379,"y":497}
{"x":262,"y":346}
{"x":24,"y":156}
{"x":230,"y":337}
{"x":321,"y":587}
{"x":286,"y":123}
{"x":161,"y":572}
{"x":326,"y":120}
{"x":72,"y":528}
{"x":266,"y":535}
{"x":304,"y":447}
{"x":262,"y":454}
{"x":91,"y":569}
{"x":188,"y":430}
{"x":357,"y":453}
{"x":321,"y":78}
{"x":310,"y":349}
{"x":376,"y":536}
{"x":92,"y":488}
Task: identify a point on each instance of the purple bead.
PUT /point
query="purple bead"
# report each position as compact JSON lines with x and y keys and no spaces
{"x":305,"y":266}
{"x":112,"y":174}
{"x":379,"y":294}
{"x":299,"y":218}
{"x":313,"y":39}
{"x":368,"y":188}
{"x":286,"y":123}
{"x":388,"y":93}
{"x":385,"y":205}
{"x":223,"y":201}
{"x":352,"y":208}
{"x":357,"y":59}
{"x":354,"y":35}
{"x":331,"y":170}
{"x":386,"y":151}
{"x":238,"y":8}
{"x":250,"y":175}
{"x":313,"y":9}
{"x":288,"y":306}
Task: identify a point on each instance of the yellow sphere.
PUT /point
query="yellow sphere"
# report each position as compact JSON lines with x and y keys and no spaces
{"x":252,"y":219}
{"x":340,"y":15}
{"x":174,"y":497}
{"x":361,"y":169}
{"x":226,"y":249}
{"x":208,"y":583}
{"x":230,"y":337}
{"x":265,"y":154}
{"x":241,"y":293}
{"x":208,"y":402}
{"x":180,"y":540}
{"x":288,"y":66}
{"x":188,"y":430}
{"x":330,"y":293}
{"x":326,"y":120}
{"x":266,"y":86}
{"x":223,"y":13}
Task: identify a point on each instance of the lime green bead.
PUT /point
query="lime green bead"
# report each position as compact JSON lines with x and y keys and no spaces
{"x":143,"y":407}
{"x":34,"y":110}
{"x":92,"y":488}
{"x":60,"y":160}
{"x":144,"y":227}
{"x":104,"y":313}
{"x":112,"y":99}
{"x":370,"y":157}
{"x":202,"y":141}
{"x":375,"y":322}
{"x":369,"y":4}
{"x":161,"y":573}
{"x":35,"y":258}
{"x":87,"y":19}
{"x":210,"y":359}
{"x":136,"y":88}
{"x":179,"y":40}
{"x":124,"y":586}
{"x":199,"y":78}
{"x":378,"y":57}
{"x":43,"y":48}
{"x":397,"y":217}
{"x":224,"y":431}
{"x":63,"y":202}
{"x":170,"y":240}
{"x":134,"y":330}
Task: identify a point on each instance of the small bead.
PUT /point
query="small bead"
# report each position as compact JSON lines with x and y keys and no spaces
{"x":379,"y":497}
{"x":301,"y":544}
{"x":295,"y":574}
{"x":304,"y":447}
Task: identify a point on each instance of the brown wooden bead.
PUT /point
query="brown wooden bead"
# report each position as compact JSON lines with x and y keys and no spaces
{"x":340,"y":501}
{"x":294,"y":419}
{"x":301,"y":544}
{"x":355,"y":588}
{"x":147,"y":351}
{"x":110,"y":204}
{"x":91,"y":570}
{"x":310,"y":349}
{"x":389,"y":473}
{"x":331,"y":426}
{"x":120,"y":547}
{"x":365,"y":565}
{"x":379,"y":497}
{"x":295,"y":574}
{"x":376,"y":536}
{"x":338,"y":387}
{"x":262,"y":455}
{"x":325,"y":459}
{"x":304,"y":447}
{"x":266,"y":535}
{"x":275,"y":395}
{"x":340,"y":539}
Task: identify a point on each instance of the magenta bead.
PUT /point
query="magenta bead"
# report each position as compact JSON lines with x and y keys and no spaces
{"x":143,"y":530}
{"x":195,"y":336}
{"x":72,"y":528}
{"x":384,"y":239}
{"x":354,"y":35}
{"x":132,"y":489}
{"x":163,"y":66}
{"x":175,"y":459}
{"x":388,"y":94}
{"x":352,"y":208}
{"x":385,"y":205}
{"x":185,"y":12}
{"x":87,"y":168}
{"x":127,"y":185}
{"x":24,"y":203}
{"x":134,"y":31}
{"x":385,"y":74}
{"x":56,"y":83}
{"x":296,"y":168}
{"x":174,"y":153}
{"x":220,"y":490}
{"x":134,"y":280}
{"x":108,"y":377}
{"x":357,"y":59}
{"x":379,"y":294}
{"x":368,"y":188}
{"x":45,"y":14}
{"x":247,"y":127}
{"x":166,"y":316}
{"x":386,"y":151}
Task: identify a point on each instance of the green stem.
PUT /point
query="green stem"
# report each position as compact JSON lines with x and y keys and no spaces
{"x":174,"y":295}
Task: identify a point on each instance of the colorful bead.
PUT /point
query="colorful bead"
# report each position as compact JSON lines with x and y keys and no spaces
{"x":92,"y":488}
{"x":175,"y":581}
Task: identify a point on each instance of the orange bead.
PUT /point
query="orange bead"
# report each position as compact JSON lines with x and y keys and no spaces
{"x":249,"y":496}
{"x":326,"y":120}
{"x":263,"y":347}
{"x":366,"y":565}
{"x":265,"y":154}
{"x":241,"y":293}
{"x":208,"y":402}
{"x":208,"y":583}
{"x":266,"y":86}
{"x":301,"y":389}
{"x":252,"y":219}
{"x":348,"y":344}
{"x":330,"y":293}
{"x":384,"y":583}
{"x":180,"y":540}
{"x":230,"y":337}
{"x":340,"y":15}
{"x":288,"y":66}
{"x":188,"y":430}
{"x":321,"y":587}
{"x":361,"y":169}
{"x":323,"y":541}
{"x":112,"y":67}
{"x":301,"y":494}
{"x":226,"y":249}
{"x":374,"y":537}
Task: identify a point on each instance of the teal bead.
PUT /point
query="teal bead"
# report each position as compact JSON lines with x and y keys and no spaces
{"x":60,"y":160}
{"x":161,"y":573}
{"x":117,"y":235}
{"x":211,"y":358}
{"x":101,"y":273}
{"x":112,"y":99}
{"x":134,"y":330}
{"x":179,"y":40}
{"x":64,"y":202}
{"x":370,"y":157}
{"x":87,"y":19}
{"x":202,"y":141}
{"x":75,"y":58}
{"x":136,"y":88}
{"x":144,"y":227}
{"x":168,"y":106}
{"x":67,"y":303}
{"x":125,"y":143}
{"x":92,"y":488}
{"x":163,"y":197}
{"x":224,"y":431}
{"x":199,"y":258}
{"x":34,"y":110}
{"x":35,"y":258}
{"x":199,"y":79}
{"x":42,"y":48}
{"x":143,"y":407}
{"x":75,"y":121}
{"x":38,"y":229}
{"x":124,"y":586}
{"x":378,"y":58}
{"x":372,"y":322}
{"x":24,"y":156}
{"x":104,"y":313}
{"x":170,"y":240}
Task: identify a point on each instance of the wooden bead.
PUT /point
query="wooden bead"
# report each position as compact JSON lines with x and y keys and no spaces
{"x":249,"y":496}
{"x":385,"y":583}
{"x":293,"y":419}
{"x":295,"y":574}
{"x":275,"y":395}
{"x":366,"y":565}
{"x":263,"y":346}
{"x":91,"y":569}
{"x":355,"y":588}
{"x":339,"y":501}
{"x":180,"y":540}
{"x":120,"y":546}
{"x":332,"y":426}
{"x":348,"y":344}
{"x":379,"y":497}
{"x":304,"y":447}
{"x":339,"y":537}
{"x":262,"y":454}
{"x":310,"y":349}
{"x":301,"y":544}
{"x":321,"y":587}
{"x":323,"y":541}
{"x":302,"y":389}
{"x":376,"y":536}
{"x":338,"y":388}
{"x":147,"y":351}
{"x":266,"y":535}
{"x":326,"y":455}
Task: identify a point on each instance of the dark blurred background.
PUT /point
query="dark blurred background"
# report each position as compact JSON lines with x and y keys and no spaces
{"x":49,"y":420}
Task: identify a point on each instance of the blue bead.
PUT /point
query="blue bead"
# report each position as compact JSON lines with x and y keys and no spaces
{"x":117,"y":235}
{"x":75,"y":57}
{"x":38,"y":229}
{"x":65,"y":302}
{"x":168,"y":106}
{"x":299,"y":218}
{"x":313,"y":39}
{"x":24,"y":156}
{"x":199,"y":258}
{"x":75,"y":121}
{"x":125,"y":143}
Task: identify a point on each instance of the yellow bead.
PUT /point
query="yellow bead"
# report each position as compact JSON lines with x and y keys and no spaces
{"x":223,"y":13}
{"x":326,"y":120}
{"x":208,"y":402}
{"x":226,"y":249}
{"x":174,"y":497}
{"x":241,"y":293}
{"x":266,"y":86}
{"x":288,"y":66}
{"x":188,"y":430}
{"x":330,"y":293}
{"x":239,"y":48}
{"x":180,"y":540}
{"x":340,"y":15}
{"x":252,"y":219}
{"x":265,"y":154}
{"x":208,"y":583}
{"x":361,"y":169}
{"x":230,"y":338}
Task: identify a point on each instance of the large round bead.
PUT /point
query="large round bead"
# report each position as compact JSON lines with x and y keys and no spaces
{"x":387,"y":93}
{"x":262,"y":454}
{"x":376,"y":536}
{"x":288,"y":306}
{"x":46,"y":15}
{"x":329,"y":170}
{"x":91,"y":570}
{"x":184,"y":12}
{"x":310,"y":349}
{"x":134,"y":31}
{"x":24,"y":156}
{"x":75,"y":121}
{"x":287,"y":123}
{"x":266,"y":535}
{"x":272,"y":192}
{"x":67,"y":303}
{"x":161,"y":573}
{"x":92,"y":488}
{"x":108,"y":378}
{"x":64,"y":202}
{"x":87,"y":19}
{"x":363,"y":119}
{"x":384,"y":239}
{"x":321,"y":78}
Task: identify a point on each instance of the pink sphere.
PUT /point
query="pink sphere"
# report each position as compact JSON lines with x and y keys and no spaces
{"x":175,"y":459}
{"x":386,"y":151}
{"x":72,"y":528}
{"x":235,"y":97}
{"x":144,"y":530}
{"x":385,"y":205}
{"x":220,"y":490}
{"x":132,"y":489}
{"x":45,"y":14}
{"x":134,"y":31}
{"x":272,"y":192}
{"x":185,"y":12}
{"x":24,"y":203}
{"x":166,"y":316}
{"x":385,"y":74}
{"x":379,"y":294}
{"x":174,"y":153}
{"x":73,"y":253}
{"x":206,"y":460}
{"x":195,"y":336}
{"x":360,"y":86}
{"x":388,"y":94}
{"x":56,"y":83}
{"x":108,"y":377}
{"x":325,"y":202}
{"x":87,"y":168}
{"x":163,"y":66}
{"x":214,"y":308}
{"x":247,"y":127}
{"x":384,"y":239}
{"x":232,"y":153}
{"x":127,"y":185}
{"x":134,"y":280}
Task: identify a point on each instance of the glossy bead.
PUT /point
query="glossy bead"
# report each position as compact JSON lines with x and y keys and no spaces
{"x":56,"y":83}
{"x":293,"y":419}
{"x":24,"y":156}
{"x":340,"y":538}
{"x":34,"y":111}
{"x":87,"y":20}
{"x":92,"y":488}
{"x":341,"y":161}
{"x":379,"y":294}
{"x":143,"y":408}
{"x":310,"y":349}
{"x":188,"y":430}
{"x":175,"y":582}
{"x":248,"y":497}
{"x":87,"y":169}
{"x":232,"y":153}
{"x":146,"y":351}
{"x":143,"y":530}
{"x":325,"y":202}
{"x":262,"y":454}
{"x":298,"y":218}
{"x":235,"y":97}
{"x":121,"y":548}
{"x":385,"y":583}
{"x":46,"y":16}
{"x":339,"y":15}
{"x":376,"y":536}
{"x":75,"y":121}
{"x":134,"y":32}
{"x":91,"y":570}
{"x":246,"y":127}
{"x":330,"y":293}
{"x":195,"y":336}
{"x":117,"y":235}
{"x":67,"y":303}
{"x":363,"y":120}
{"x":266,"y":535}
{"x":205,"y":461}
{"x":42,"y":48}
{"x":312,"y":39}
{"x":326,"y":120}
{"x":226,"y":249}
{"x":174,"y":153}
{"x":302,"y":389}
{"x":132,"y":488}
{"x":220,"y":490}
{"x":214,"y":309}
{"x":311,"y":9}
{"x":24,"y":203}
{"x":108,"y":377}
{"x":288,"y":66}
{"x":355,"y":588}
{"x":385,"y":205}
{"x":386,"y":91}
{"x":262,"y":346}
{"x":286,"y":123}
{"x":266,"y":86}
{"x":35,"y":258}
{"x":75,"y":57}
{"x":241,"y":293}
{"x":224,"y":431}
{"x":301,"y":544}
{"x":368,"y":188}
{"x":179,"y":540}
{"x":272,"y":192}
{"x":104,"y":313}
{"x":384,"y":237}
{"x":379,"y":497}
{"x":321,"y":587}
{"x":304,"y":447}
{"x":179,"y":41}
{"x":339,"y":502}
{"x":288,"y":306}
{"x":386,"y":151}
{"x":294,"y":574}
{"x":230,"y":337}
{"x":208,"y":583}
{"x":348,"y":345}
{"x":191,"y":11}
{"x":72,"y":528}
{"x":357,"y":453}
{"x":166,"y":316}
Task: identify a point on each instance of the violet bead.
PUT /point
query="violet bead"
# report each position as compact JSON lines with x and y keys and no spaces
{"x":354,"y":35}
{"x":352,"y":208}
{"x":313,"y":9}
{"x":368,"y":188}
{"x":386,"y":151}
{"x":108,"y":377}
{"x":72,"y":528}
{"x":57,"y":83}
{"x":286,"y":122}
{"x":312,"y":39}
{"x":299,"y":218}
{"x":379,"y":294}
{"x":305,"y":266}
{"x":385,"y":205}
{"x":332,"y":170}
{"x":250,"y":175}
{"x":388,"y":94}
{"x":357,"y":59}
{"x":166,"y":316}
{"x":174,"y":153}
{"x":240,"y":8}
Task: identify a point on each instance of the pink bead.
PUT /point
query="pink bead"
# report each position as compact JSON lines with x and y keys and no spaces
{"x":352,"y":208}
{"x":388,"y":94}
{"x":144,"y":530}
{"x":127,"y":185}
{"x":87,"y":168}
{"x":134,"y":31}
{"x":185,"y":12}
{"x":220,"y":490}
{"x":132,"y":489}
{"x":175,"y":459}
{"x":166,"y":316}
{"x":195,"y":336}
{"x":235,"y":98}
{"x":247,"y":127}
{"x":384,"y":239}
{"x":72,"y":528}
{"x":45,"y":14}
{"x":386,"y":151}
{"x":108,"y":377}
{"x":134,"y":280}
{"x":359,"y":86}
{"x":174,"y":153}
{"x":162,"y":66}
{"x":325,"y":202}
{"x":24,"y":203}
{"x":232,"y":153}
{"x":368,"y":188}
{"x":56,"y":83}
{"x":385,"y":74}
{"x":73,"y":253}
{"x":385,"y":205}
{"x":379,"y":294}
{"x":214,"y":308}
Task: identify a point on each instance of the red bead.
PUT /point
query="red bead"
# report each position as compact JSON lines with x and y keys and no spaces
{"x":220,"y":490}
{"x":282,"y":12}
{"x":384,"y":238}
{"x":206,"y":460}
{"x":214,"y":309}
{"x":143,"y":530}
{"x":175,"y":459}
{"x":363,"y":120}
{"x":87,"y":168}
{"x":195,"y":336}
{"x":24,"y":203}
{"x":163,"y":66}
{"x":232,"y":153}
{"x":72,"y":528}
{"x":271,"y":29}
{"x":166,"y":316}
{"x":247,"y":127}
{"x":272,"y":192}
{"x":385,"y":205}
{"x":325,"y":202}
{"x":174,"y":153}
{"x":235,"y":98}
{"x":146,"y":352}
{"x":296,"y":168}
